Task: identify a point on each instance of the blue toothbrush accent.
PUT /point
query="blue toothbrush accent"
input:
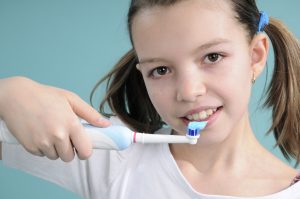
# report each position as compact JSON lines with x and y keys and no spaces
{"x":194,"y":128}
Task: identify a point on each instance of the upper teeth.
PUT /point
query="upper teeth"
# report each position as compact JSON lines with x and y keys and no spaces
{"x":202,"y":115}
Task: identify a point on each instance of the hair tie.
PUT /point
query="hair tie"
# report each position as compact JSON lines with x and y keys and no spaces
{"x":263,"y":21}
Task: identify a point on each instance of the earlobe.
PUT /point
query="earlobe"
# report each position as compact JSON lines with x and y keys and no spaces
{"x":138,"y":66}
{"x":259,"y":53}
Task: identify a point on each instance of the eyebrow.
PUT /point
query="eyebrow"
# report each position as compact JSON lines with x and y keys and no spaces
{"x":210,"y":44}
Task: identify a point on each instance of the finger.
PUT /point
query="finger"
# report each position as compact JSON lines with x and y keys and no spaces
{"x":50,"y":153}
{"x":35,"y":152}
{"x":86,"y":112}
{"x":82,"y":143}
{"x":31,"y":148}
{"x":45,"y":147}
{"x":65,"y":150}
{"x":62,"y":142}
{"x":40,"y":153}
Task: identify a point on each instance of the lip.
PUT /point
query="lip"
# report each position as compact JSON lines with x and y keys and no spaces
{"x":209,"y":120}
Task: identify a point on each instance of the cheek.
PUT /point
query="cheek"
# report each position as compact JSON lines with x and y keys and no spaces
{"x":156,"y":98}
{"x":237,"y":88}
{"x":160,"y":97}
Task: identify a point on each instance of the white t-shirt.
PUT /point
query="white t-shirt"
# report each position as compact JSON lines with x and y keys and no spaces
{"x":141,"y":171}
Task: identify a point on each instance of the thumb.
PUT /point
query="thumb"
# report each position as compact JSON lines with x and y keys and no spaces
{"x":85,"y":111}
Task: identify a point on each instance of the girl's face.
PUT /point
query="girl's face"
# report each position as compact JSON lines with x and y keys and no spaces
{"x":196,"y":64}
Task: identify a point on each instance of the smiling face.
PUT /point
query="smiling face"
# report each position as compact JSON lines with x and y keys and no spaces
{"x":195,"y":60}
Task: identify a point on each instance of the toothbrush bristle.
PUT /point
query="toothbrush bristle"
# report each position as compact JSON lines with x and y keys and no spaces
{"x":194,"y":128}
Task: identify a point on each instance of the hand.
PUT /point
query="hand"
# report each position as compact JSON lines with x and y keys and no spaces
{"x":44,"y":119}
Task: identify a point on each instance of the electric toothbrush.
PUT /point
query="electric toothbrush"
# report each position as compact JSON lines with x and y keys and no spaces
{"x":116,"y":137}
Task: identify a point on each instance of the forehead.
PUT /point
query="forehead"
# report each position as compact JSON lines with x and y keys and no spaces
{"x":182,"y":25}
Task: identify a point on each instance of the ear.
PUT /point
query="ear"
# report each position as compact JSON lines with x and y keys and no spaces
{"x":259,"y":50}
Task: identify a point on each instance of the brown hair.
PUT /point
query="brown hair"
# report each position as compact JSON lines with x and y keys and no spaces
{"x":128,"y":99}
{"x":127,"y":96}
{"x":283,"y":92}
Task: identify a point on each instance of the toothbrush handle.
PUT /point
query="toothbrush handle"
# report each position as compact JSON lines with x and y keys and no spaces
{"x":109,"y":138}
{"x":114,"y":137}
{"x":157,"y":138}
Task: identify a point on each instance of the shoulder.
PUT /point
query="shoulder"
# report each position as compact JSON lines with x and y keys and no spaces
{"x":269,"y":174}
{"x":283,"y":171}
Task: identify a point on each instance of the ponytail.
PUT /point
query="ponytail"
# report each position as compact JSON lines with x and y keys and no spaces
{"x":283,"y":94}
{"x":127,"y":96}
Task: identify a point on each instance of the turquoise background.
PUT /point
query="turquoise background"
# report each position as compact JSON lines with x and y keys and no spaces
{"x":71,"y":44}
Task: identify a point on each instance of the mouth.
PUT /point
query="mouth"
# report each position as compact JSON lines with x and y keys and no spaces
{"x":204,"y":115}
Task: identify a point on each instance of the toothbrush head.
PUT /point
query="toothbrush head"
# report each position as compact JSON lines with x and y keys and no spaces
{"x":194,"y":129}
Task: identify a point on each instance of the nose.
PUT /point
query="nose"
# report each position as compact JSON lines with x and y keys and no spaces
{"x":190,"y":87}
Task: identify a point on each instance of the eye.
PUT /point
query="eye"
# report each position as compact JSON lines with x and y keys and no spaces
{"x":212,"y":58}
{"x":159,"y":71}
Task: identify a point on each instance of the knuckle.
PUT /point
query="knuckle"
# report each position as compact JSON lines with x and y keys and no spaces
{"x":72,"y":94}
{"x":69,"y":94}
{"x":44,"y":145}
{"x":56,"y":134}
{"x":75,"y":125}
{"x":60,"y":136}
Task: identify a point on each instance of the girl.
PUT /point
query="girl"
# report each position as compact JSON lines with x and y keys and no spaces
{"x":191,"y":60}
